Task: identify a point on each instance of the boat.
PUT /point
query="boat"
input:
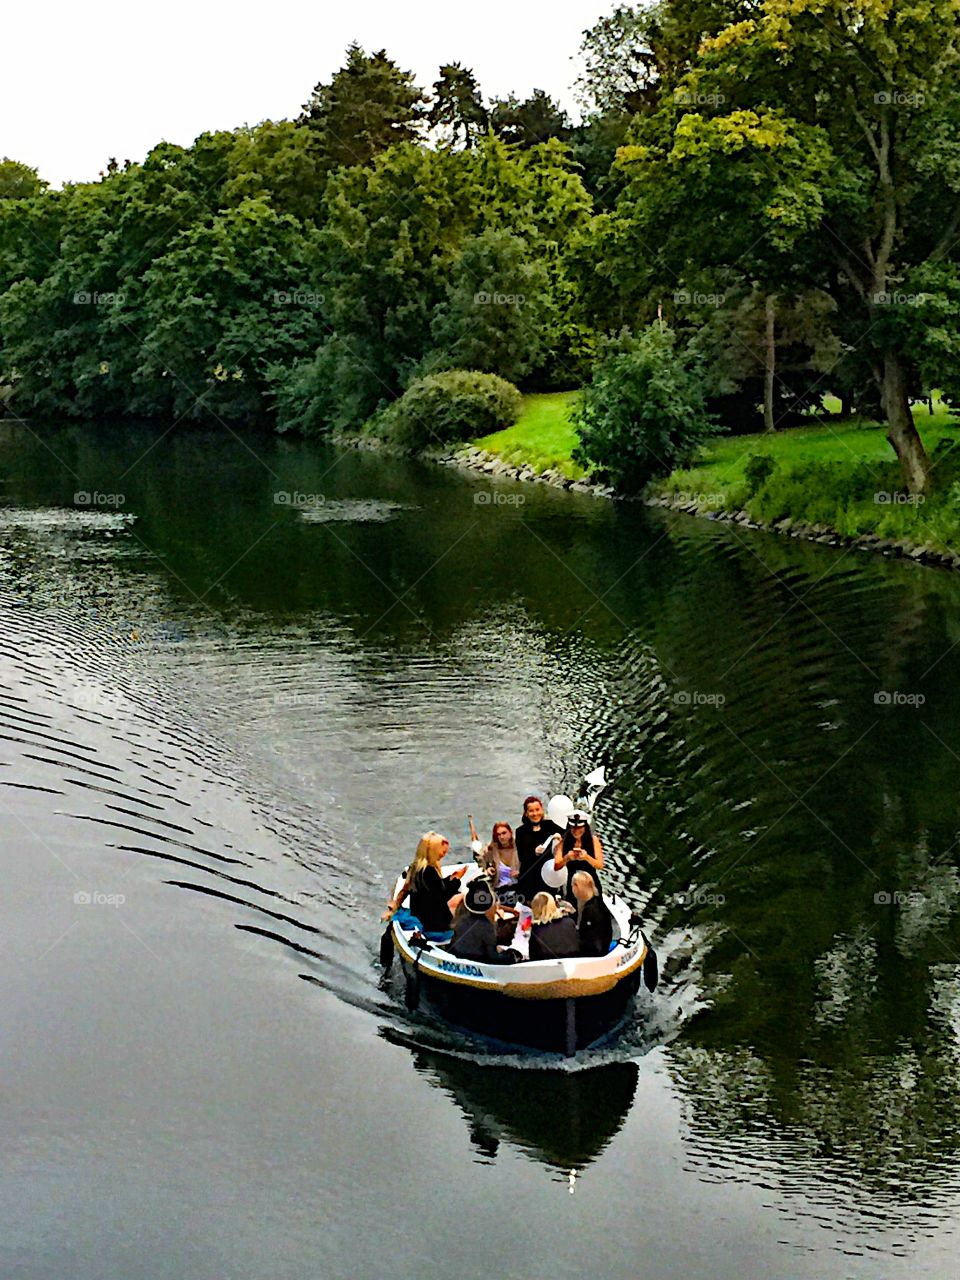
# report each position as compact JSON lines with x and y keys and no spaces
{"x":559,"y":1006}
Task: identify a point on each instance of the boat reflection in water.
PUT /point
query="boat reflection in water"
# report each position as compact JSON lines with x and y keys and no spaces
{"x":563,"y":1119}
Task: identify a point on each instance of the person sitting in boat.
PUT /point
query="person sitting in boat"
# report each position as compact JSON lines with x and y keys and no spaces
{"x":578,"y":849}
{"x":475,"y":929}
{"x":533,"y":834}
{"x":433,"y":897}
{"x":553,"y":934}
{"x":594,"y":921}
{"x":499,"y":859}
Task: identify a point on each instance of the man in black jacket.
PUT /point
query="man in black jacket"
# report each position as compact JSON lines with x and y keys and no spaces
{"x":594,"y":921}
{"x":534,"y":830}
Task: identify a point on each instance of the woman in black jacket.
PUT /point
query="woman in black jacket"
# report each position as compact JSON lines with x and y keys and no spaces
{"x":433,"y":897}
{"x":553,"y":935}
{"x":594,"y":921}
{"x":474,"y":927}
{"x":578,"y":849}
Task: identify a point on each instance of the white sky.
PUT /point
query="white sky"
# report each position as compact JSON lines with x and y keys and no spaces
{"x":87,"y":79}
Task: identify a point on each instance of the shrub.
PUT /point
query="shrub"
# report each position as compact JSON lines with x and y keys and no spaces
{"x":757,"y":471}
{"x":441,"y":408}
{"x":643,"y":413}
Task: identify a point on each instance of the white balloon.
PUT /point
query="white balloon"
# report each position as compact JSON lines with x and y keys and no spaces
{"x":559,"y":810}
{"x":553,"y":878}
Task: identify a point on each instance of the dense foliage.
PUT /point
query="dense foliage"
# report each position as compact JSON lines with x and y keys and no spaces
{"x":778,"y":184}
{"x":644,"y":411}
{"x":442,"y":408}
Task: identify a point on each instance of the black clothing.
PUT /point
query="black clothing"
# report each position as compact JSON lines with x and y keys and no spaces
{"x":556,"y":940}
{"x":595,"y":928}
{"x":429,"y":896}
{"x":572,"y":867}
{"x":528,"y":838}
{"x":475,"y":938}
{"x":530,"y":882}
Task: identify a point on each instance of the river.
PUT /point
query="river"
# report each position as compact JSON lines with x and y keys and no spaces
{"x":240,"y":675}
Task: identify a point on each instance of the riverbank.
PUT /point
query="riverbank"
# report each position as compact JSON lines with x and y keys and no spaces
{"x":835,"y":482}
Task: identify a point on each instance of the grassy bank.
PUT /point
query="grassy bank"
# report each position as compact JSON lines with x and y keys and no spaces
{"x":840,"y":475}
{"x":542,"y":437}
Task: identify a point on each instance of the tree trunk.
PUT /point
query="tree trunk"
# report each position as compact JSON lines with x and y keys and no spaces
{"x":770,"y":366}
{"x":901,"y":431}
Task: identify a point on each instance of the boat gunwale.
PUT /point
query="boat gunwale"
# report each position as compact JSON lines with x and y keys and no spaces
{"x":527,"y":980}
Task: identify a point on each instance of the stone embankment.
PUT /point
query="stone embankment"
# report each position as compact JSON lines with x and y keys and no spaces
{"x":922,"y":554}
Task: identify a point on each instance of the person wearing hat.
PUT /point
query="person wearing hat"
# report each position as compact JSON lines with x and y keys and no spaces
{"x":474,"y":926}
{"x":578,"y":849}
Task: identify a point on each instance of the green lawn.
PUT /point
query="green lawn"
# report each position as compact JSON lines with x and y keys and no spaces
{"x":542,"y":436}
{"x":722,"y":462}
{"x":840,"y":474}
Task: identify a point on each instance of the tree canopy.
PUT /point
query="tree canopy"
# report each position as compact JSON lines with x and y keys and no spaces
{"x":778,"y":183}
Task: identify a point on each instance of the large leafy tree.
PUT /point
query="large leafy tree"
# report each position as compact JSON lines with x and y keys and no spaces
{"x":405,"y":246}
{"x":228,"y":300}
{"x":829,"y":132}
{"x":369,"y":105}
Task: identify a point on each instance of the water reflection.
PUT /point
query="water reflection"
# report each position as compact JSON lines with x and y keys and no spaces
{"x":782,"y":723}
{"x":563,"y":1119}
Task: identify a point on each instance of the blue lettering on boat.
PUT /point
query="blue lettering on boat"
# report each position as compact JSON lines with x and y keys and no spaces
{"x":471,"y":970}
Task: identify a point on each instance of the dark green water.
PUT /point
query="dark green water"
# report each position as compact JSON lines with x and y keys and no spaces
{"x":237,"y":714}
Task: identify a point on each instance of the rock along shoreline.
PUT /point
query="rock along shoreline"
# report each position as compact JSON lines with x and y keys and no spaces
{"x":471,"y":458}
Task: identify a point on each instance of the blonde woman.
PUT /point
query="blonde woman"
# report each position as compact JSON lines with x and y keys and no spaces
{"x":433,"y":897}
{"x":553,"y":935}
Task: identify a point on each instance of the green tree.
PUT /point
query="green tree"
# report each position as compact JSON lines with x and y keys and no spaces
{"x":622,"y":55}
{"x":18,"y":181}
{"x":643,"y":413}
{"x":368,"y":106}
{"x":853,"y":111}
{"x":457,"y":105}
{"x":498,"y":315}
{"x":536,"y":119}
{"x":230,"y":299}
